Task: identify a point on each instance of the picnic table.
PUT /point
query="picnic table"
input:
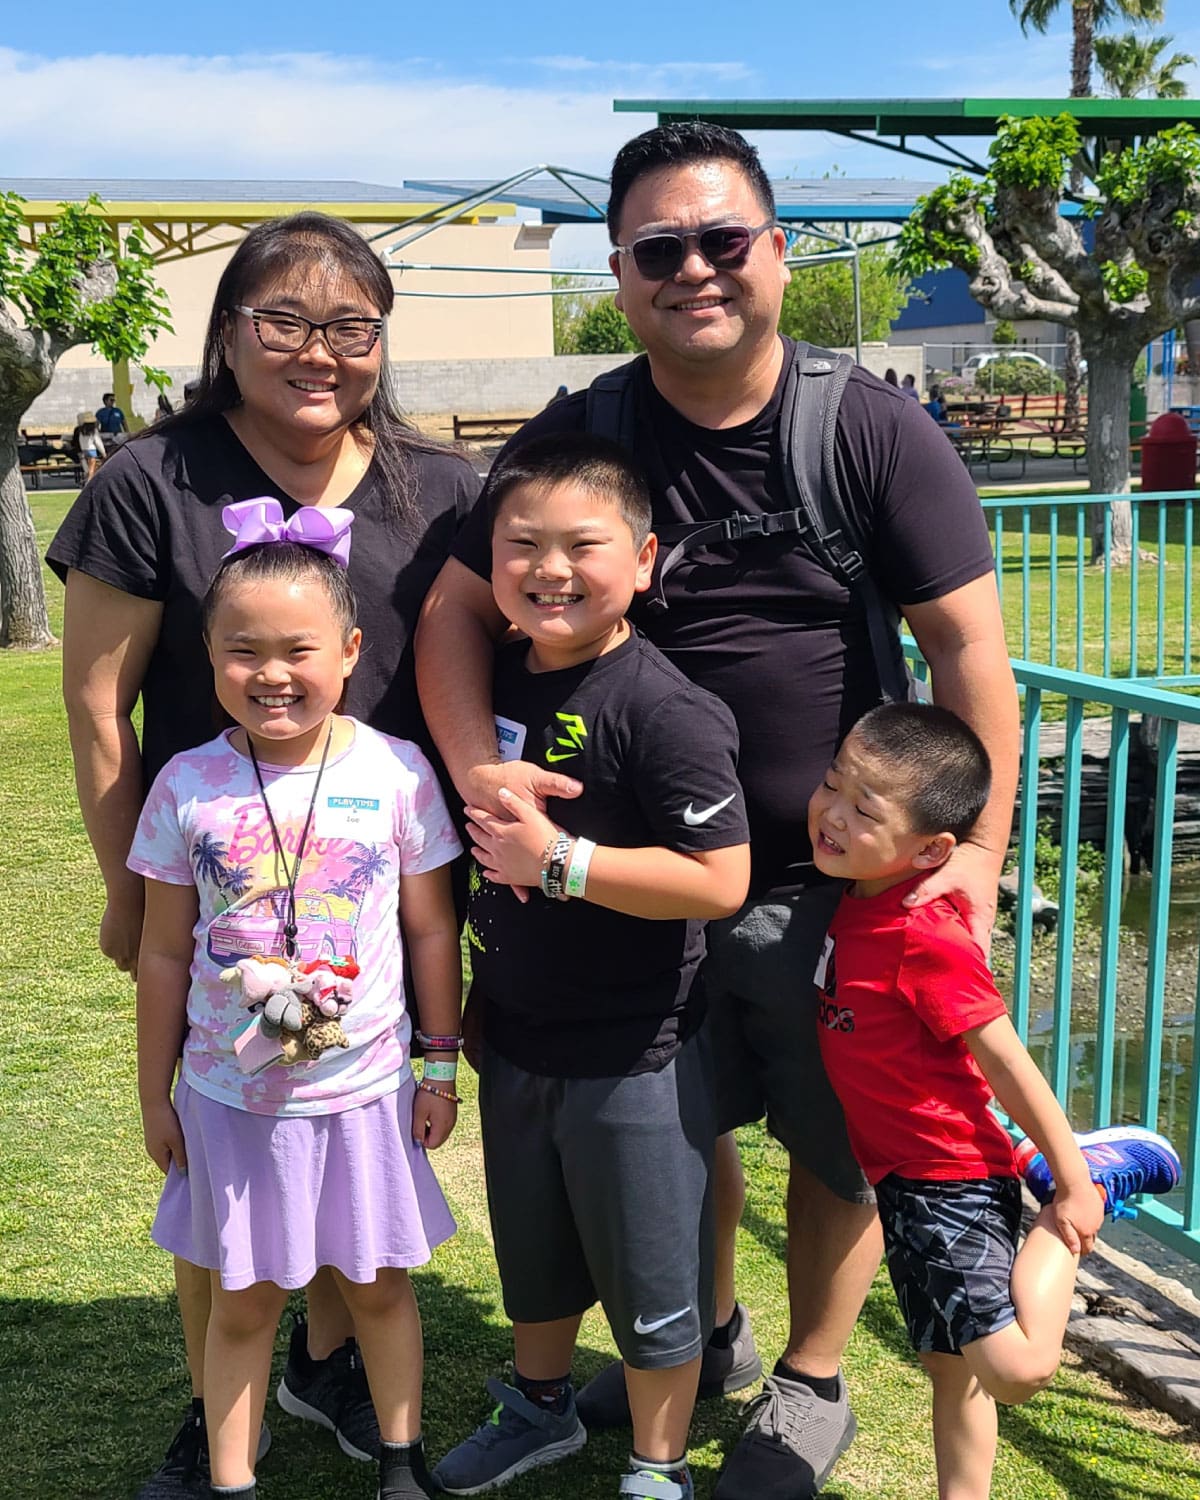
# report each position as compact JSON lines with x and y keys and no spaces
{"x":45,"y":453}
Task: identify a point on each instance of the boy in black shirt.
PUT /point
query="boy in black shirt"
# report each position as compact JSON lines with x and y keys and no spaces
{"x":595,"y":1094}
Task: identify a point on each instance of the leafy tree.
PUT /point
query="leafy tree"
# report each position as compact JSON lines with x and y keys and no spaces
{"x":570,"y":305}
{"x":1025,"y":260}
{"x":1004,"y":333}
{"x":78,"y":286}
{"x":1087,"y":17}
{"x":818,"y":304}
{"x":602,"y":329}
{"x":1133,"y":66}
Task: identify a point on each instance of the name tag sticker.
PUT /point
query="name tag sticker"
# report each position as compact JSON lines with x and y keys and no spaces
{"x":361,"y":818}
{"x":510,"y":738}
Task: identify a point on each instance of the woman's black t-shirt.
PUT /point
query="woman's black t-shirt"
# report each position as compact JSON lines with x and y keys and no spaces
{"x":149,"y":524}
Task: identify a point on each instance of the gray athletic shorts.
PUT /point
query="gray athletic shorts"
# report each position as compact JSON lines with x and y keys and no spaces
{"x":599,"y":1189}
{"x":762,"y":1022}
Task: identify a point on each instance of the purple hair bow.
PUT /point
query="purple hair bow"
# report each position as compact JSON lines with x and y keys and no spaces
{"x":327,"y":528}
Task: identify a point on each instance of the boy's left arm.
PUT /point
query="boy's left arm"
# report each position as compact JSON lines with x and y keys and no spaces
{"x":430,"y":930}
{"x":1024,"y":1094}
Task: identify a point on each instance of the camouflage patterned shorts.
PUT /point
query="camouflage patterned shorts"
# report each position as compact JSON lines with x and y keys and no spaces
{"x":950,"y":1249}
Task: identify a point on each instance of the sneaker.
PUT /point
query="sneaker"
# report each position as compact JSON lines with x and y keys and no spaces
{"x":604,"y":1402}
{"x":517,"y":1437}
{"x":791,"y":1443}
{"x":333,"y":1393}
{"x":1123,"y":1160}
{"x":185,"y":1470}
{"x":658,"y":1484}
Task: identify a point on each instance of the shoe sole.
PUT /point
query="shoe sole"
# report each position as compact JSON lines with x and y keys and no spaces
{"x":297,"y":1408}
{"x":543,"y":1456}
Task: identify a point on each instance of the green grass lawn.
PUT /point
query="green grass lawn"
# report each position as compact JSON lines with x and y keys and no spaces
{"x":92,"y":1381}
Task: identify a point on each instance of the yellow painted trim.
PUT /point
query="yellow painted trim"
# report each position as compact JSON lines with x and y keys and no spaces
{"x":184,"y":212}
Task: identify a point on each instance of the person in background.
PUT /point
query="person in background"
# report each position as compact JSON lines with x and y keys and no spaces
{"x":87,"y":444}
{"x":889,"y":376}
{"x":909,"y":386}
{"x":163,"y":407}
{"x":294,"y":401}
{"x":111,"y":419}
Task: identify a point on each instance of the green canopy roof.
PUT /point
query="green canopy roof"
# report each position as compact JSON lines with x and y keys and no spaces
{"x":922,"y":117}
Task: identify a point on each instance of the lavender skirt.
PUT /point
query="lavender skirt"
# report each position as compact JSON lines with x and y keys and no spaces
{"x":270,"y":1199}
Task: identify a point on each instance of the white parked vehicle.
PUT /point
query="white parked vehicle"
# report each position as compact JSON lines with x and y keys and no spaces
{"x":977,"y":362}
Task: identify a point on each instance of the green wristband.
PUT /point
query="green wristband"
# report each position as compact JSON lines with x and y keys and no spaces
{"x":440,"y":1072}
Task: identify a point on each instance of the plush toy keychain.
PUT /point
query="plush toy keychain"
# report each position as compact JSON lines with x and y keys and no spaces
{"x":297,"y":1008}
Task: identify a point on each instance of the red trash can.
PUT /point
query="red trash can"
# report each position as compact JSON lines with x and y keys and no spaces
{"x":1169,"y":454}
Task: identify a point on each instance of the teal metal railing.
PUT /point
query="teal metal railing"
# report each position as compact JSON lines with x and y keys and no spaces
{"x":1132,"y":622}
{"x":1078,"y":1005}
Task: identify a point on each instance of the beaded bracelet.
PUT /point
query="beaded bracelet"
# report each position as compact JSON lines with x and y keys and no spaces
{"x":440,"y":1043}
{"x":441,"y":1093}
{"x":575,"y":883}
{"x":439,"y":1072}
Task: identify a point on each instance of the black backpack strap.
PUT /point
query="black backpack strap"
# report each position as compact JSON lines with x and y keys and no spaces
{"x":610,"y":404}
{"x":812,"y":398}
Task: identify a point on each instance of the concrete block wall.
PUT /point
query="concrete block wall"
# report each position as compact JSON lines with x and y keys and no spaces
{"x":470,"y":387}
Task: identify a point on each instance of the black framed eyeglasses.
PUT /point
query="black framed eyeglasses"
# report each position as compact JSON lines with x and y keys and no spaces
{"x":725,"y":247}
{"x":288,"y":333}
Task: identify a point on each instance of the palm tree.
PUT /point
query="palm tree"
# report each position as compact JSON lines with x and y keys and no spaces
{"x":208,"y":855}
{"x":1132,"y":66}
{"x":1087,"y":17}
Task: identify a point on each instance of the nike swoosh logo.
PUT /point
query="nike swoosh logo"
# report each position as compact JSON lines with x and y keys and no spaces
{"x":641,"y":1326}
{"x":694,"y":819}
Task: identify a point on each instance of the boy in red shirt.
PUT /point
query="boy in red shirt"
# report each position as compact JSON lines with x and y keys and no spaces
{"x":916,"y":1041}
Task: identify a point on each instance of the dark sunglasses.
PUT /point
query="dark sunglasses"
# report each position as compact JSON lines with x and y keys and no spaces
{"x":725,"y":247}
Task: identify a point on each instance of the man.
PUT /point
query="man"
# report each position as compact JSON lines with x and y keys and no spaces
{"x":700,"y":266}
{"x":110,"y":418}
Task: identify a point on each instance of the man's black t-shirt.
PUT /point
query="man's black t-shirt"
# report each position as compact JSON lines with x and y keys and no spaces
{"x":761,"y":623}
{"x":574,"y":989}
{"x":149,"y":524}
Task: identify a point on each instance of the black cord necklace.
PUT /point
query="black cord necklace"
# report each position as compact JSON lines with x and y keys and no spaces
{"x":290,"y":951}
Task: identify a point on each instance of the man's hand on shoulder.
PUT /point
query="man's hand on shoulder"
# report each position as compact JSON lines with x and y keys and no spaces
{"x":971,"y":876}
{"x":533,"y":784}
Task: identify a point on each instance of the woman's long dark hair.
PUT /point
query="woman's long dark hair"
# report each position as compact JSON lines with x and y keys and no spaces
{"x":270,"y":252}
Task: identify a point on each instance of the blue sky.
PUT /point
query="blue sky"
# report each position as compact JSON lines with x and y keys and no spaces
{"x":263,"y":88}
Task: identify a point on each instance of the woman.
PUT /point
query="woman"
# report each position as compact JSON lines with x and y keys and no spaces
{"x":295,"y":401}
{"x":87,"y":444}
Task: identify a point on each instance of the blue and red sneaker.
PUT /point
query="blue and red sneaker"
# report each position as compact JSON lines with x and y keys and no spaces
{"x":1124,"y":1160}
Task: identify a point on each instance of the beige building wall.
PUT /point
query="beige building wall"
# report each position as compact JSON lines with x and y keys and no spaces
{"x":420,"y":328}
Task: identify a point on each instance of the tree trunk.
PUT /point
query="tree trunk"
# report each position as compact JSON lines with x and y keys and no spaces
{"x":1073,"y":379}
{"x":1109,"y":373}
{"x":1191,"y":333}
{"x":24,"y":622}
{"x":27,"y":360}
{"x":1083,"y":30}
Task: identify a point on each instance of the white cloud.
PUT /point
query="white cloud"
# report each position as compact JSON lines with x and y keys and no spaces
{"x":668,"y":74}
{"x":292,"y":115}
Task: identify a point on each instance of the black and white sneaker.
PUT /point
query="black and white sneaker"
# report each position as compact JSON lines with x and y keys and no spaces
{"x":333,"y":1393}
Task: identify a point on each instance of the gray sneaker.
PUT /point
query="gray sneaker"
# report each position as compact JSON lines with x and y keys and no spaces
{"x":517,"y":1437}
{"x":604,"y":1402}
{"x":791,"y":1443}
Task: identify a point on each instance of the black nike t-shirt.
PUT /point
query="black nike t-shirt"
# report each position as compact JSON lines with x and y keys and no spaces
{"x":573,"y":989}
{"x":761,"y":623}
{"x":149,"y":524}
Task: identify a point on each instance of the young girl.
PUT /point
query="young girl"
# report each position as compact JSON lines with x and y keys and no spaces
{"x":274,"y":857}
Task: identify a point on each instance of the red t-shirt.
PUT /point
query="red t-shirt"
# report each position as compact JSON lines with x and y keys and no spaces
{"x":898,"y":988}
